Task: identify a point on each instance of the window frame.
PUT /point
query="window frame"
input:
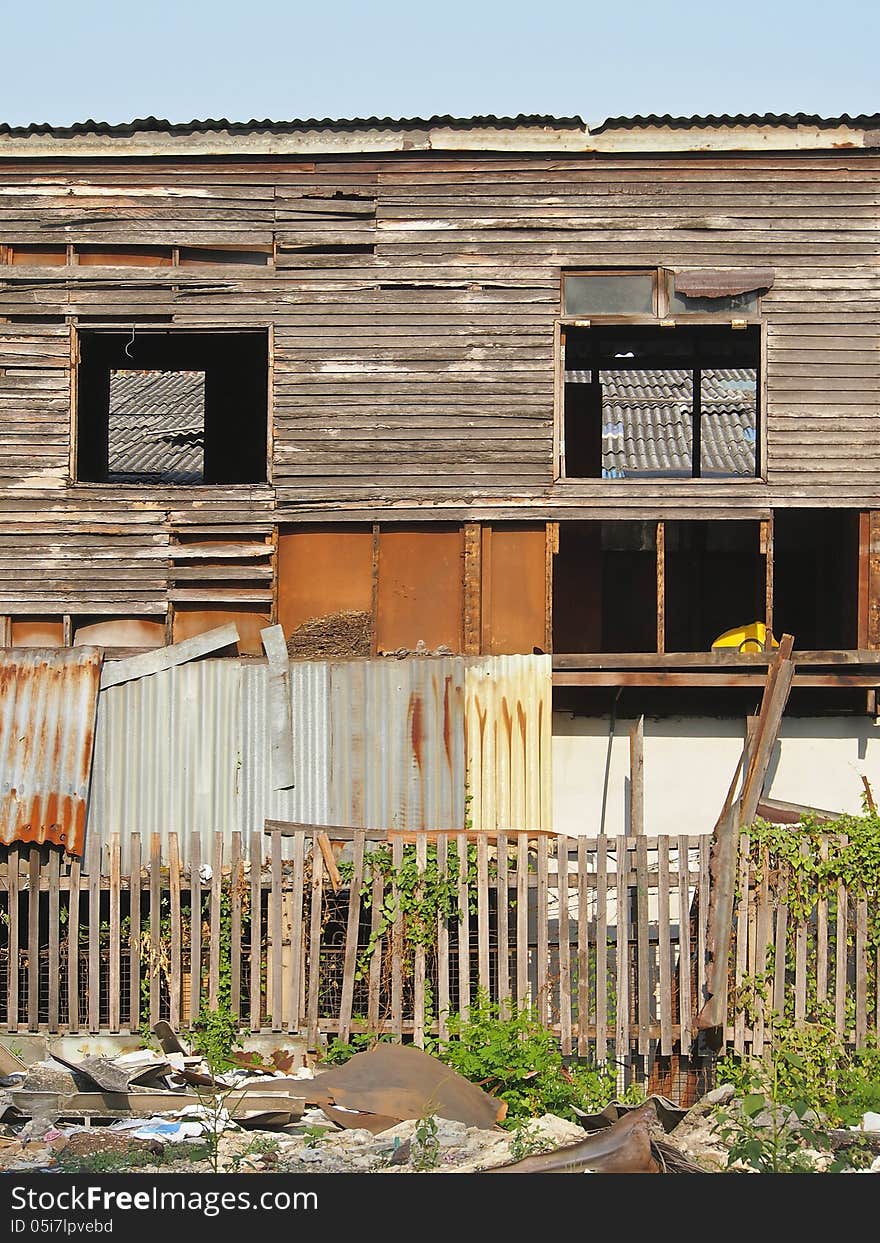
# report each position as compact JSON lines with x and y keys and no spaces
{"x":661,"y":318}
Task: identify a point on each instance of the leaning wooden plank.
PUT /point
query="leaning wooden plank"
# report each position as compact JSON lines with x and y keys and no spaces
{"x":115,"y":672}
{"x":637,"y":777}
{"x":777,"y":811}
{"x":280,"y":710}
{"x":330,"y":862}
{"x":54,"y":939}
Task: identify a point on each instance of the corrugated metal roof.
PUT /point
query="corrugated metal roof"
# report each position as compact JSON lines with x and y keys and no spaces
{"x":647,"y":427}
{"x":47,"y":733}
{"x":398,"y":757}
{"x":157,"y":426}
{"x":154,"y":125}
{"x":725,"y":120}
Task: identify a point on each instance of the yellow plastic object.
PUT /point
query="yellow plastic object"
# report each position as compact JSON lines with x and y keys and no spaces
{"x":752,"y":638}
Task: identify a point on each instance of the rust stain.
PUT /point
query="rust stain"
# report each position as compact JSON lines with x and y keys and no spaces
{"x":507,"y":718}
{"x":417,"y":725}
{"x":47,"y":731}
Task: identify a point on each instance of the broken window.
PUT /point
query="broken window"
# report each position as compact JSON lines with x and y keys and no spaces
{"x":646,"y":401}
{"x":172,"y":407}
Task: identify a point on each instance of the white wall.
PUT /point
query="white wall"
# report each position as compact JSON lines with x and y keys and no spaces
{"x":689,"y":763}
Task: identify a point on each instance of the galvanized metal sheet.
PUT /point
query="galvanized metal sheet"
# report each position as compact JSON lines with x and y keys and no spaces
{"x":397,"y":749}
{"x":508,"y":740}
{"x":47,"y":734}
{"x":168,"y":753}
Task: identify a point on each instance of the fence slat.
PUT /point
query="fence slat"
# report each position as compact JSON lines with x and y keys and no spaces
{"x":543,"y":950}
{"x":664,"y":947}
{"x":94,"y":854}
{"x":214,"y":949}
{"x":685,"y":1000}
{"x":464,"y":930}
{"x":443,"y":998}
{"x":583,"y":951}
{"x":295,"y":984}
{"x":374,"y":986}
{"x":644,"y":962}
{"x":602,"y":949}
{"x":564,"y":946}
{"x":256,"y":939}
{"x":621,"y":1025}
{"x":800,"y":963}
{"x":397,"y":947}
{"x":780,"y":961}
{"x":522,"y":920}
{"x":822,"y":938}
{"x":419,"y":954}
{"x":33,"y":972}
{"x":861,"y":972}
{"x":235,"y":876}
{"x":351,"y":936}
{"x":134,"y":941}
{"x":12,"y":884}
{"x":195,"y":926}
{"x":840,"y":956}
{"x":315,"y":942}
{"x":175,"y":982}
{"x":502,"y":905}
{"x":483,"y":913}
{"x":115,"y":920}
{"x":54,"y":939}
{"x":742,"y":943}
{"x":72,"y":946}
{"x":155,"y":925}
{"x":275,"y":964}
{"x":764,"y":938}
{"x":702,"y":920}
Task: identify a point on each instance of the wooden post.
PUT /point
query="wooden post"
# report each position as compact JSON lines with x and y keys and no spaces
{"x":275,"y":965}
{"x":583,"y":950}
{"x":115,"y":920}
{"x":54,"y":938}
{"x":195,"y":926}
{"x":503,"y":925}
{"x":602,"y":949}
{"x":622,"y":893}
{"x":522,"y":920}
{"x":134,"y":943}
{"x":94,"y":854}
{"x":564,"y":946}
{"x":295,"y":984}
{"x":176,"y":982}
{"x":33,"y":1006}
{"x":235,"y":895}
{"x":256,"y":930}
{"x":443,"y":998}
{"x":665,"y":946}
{"x":351,"y":938}
{"x":72,"y":944}
{"x":155,"y":925}
{"x":637,"y":778}
{"x":315,"y":944}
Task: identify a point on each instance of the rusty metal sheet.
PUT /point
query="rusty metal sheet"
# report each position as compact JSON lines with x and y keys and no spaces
{"x":48,"y":705}
{"x":710,"y":283}
{"x":514,"y":589}
{"x":421,"y":589}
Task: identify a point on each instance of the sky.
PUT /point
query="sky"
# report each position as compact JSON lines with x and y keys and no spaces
{"x":184,"y":59}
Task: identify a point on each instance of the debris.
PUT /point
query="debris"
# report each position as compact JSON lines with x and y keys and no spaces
{"x":625,"y":1147}
{"x":169,"y":1041}
{"x":339,"y":636}
{"x":117,"y":1074}
{"x":397,"y":1082}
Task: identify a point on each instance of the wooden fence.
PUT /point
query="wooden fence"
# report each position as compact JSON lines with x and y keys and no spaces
{"x":605,"y":937}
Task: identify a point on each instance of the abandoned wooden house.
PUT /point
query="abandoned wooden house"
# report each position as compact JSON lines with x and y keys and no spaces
{"x":522,"y":432}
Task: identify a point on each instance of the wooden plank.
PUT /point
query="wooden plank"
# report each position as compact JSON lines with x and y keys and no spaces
{"x":195,"y":926}
{"x":763,"y":939}
{"x":702,"y":920}
{"x":314,"y":964}
{"x":94,"y":992}
{"x":522,"y":920}
{"x":800,"y":962}
{"x":742,"y":942}
{"x":330,"y":862}
{"x":543,"y":938}
{"x":73,"y":1014}
{"x":256,"y":931}
{"x":685,"y":1003}
{"x":637,"y":777}
{"x":54,"y":939}
{"x":175,"y":981}
{"x":645,"y":991}
{"x":661,"y":585}
{"x":33,"y":971}
{"x":473,"y":605}
{"x":374,"y":984}
{"x":861,"y":973}
{"x":464,"y":935}
{"x":295,"y":986}
{"x":345,"y":833}
{"x":602,"y":950}
{"x":115,"y":921}
{"x":664,"y":948}
{"x":115,"y":672}
{"x":840,"y":962}
{"x":780,"y":960}
{"x":397,"y":946}
{"x":235,"y":893}
{"x":280,"y":707}
{"x":155,"y":925}
{"x":134,"y":943}
{"x":822,"y":938}
{"x":351,"y":939}
{"x":503,"y":923}
{"x":275,"y":964}
{"x":767,"y":537}
{"x":483,"y":975}
{"x":583,"y":950}
{"x":562,"y":845}
{"x":215,"y":922}
{"x":621,"y":1025}
{"x":419,"y":957}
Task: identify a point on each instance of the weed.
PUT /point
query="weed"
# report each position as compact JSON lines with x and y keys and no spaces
{"x":425,"y":1147}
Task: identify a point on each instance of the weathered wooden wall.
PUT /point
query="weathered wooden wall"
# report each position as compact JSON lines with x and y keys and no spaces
{"x":412,"y":302}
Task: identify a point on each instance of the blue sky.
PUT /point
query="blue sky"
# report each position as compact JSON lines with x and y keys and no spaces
{"x":190,"y":58}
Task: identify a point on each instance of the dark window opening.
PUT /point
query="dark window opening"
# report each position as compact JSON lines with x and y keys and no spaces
{"x":605,"y":587}
{"x":647,"y":402}
{"x":172,"y":407}
{"x":816,"y":577}
{"x":715,"y":581}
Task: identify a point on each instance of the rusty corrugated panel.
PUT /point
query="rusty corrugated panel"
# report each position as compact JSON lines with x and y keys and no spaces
{"x":48,"y":703}
{"x":508,"y":738}
{"x":397,"y":743}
